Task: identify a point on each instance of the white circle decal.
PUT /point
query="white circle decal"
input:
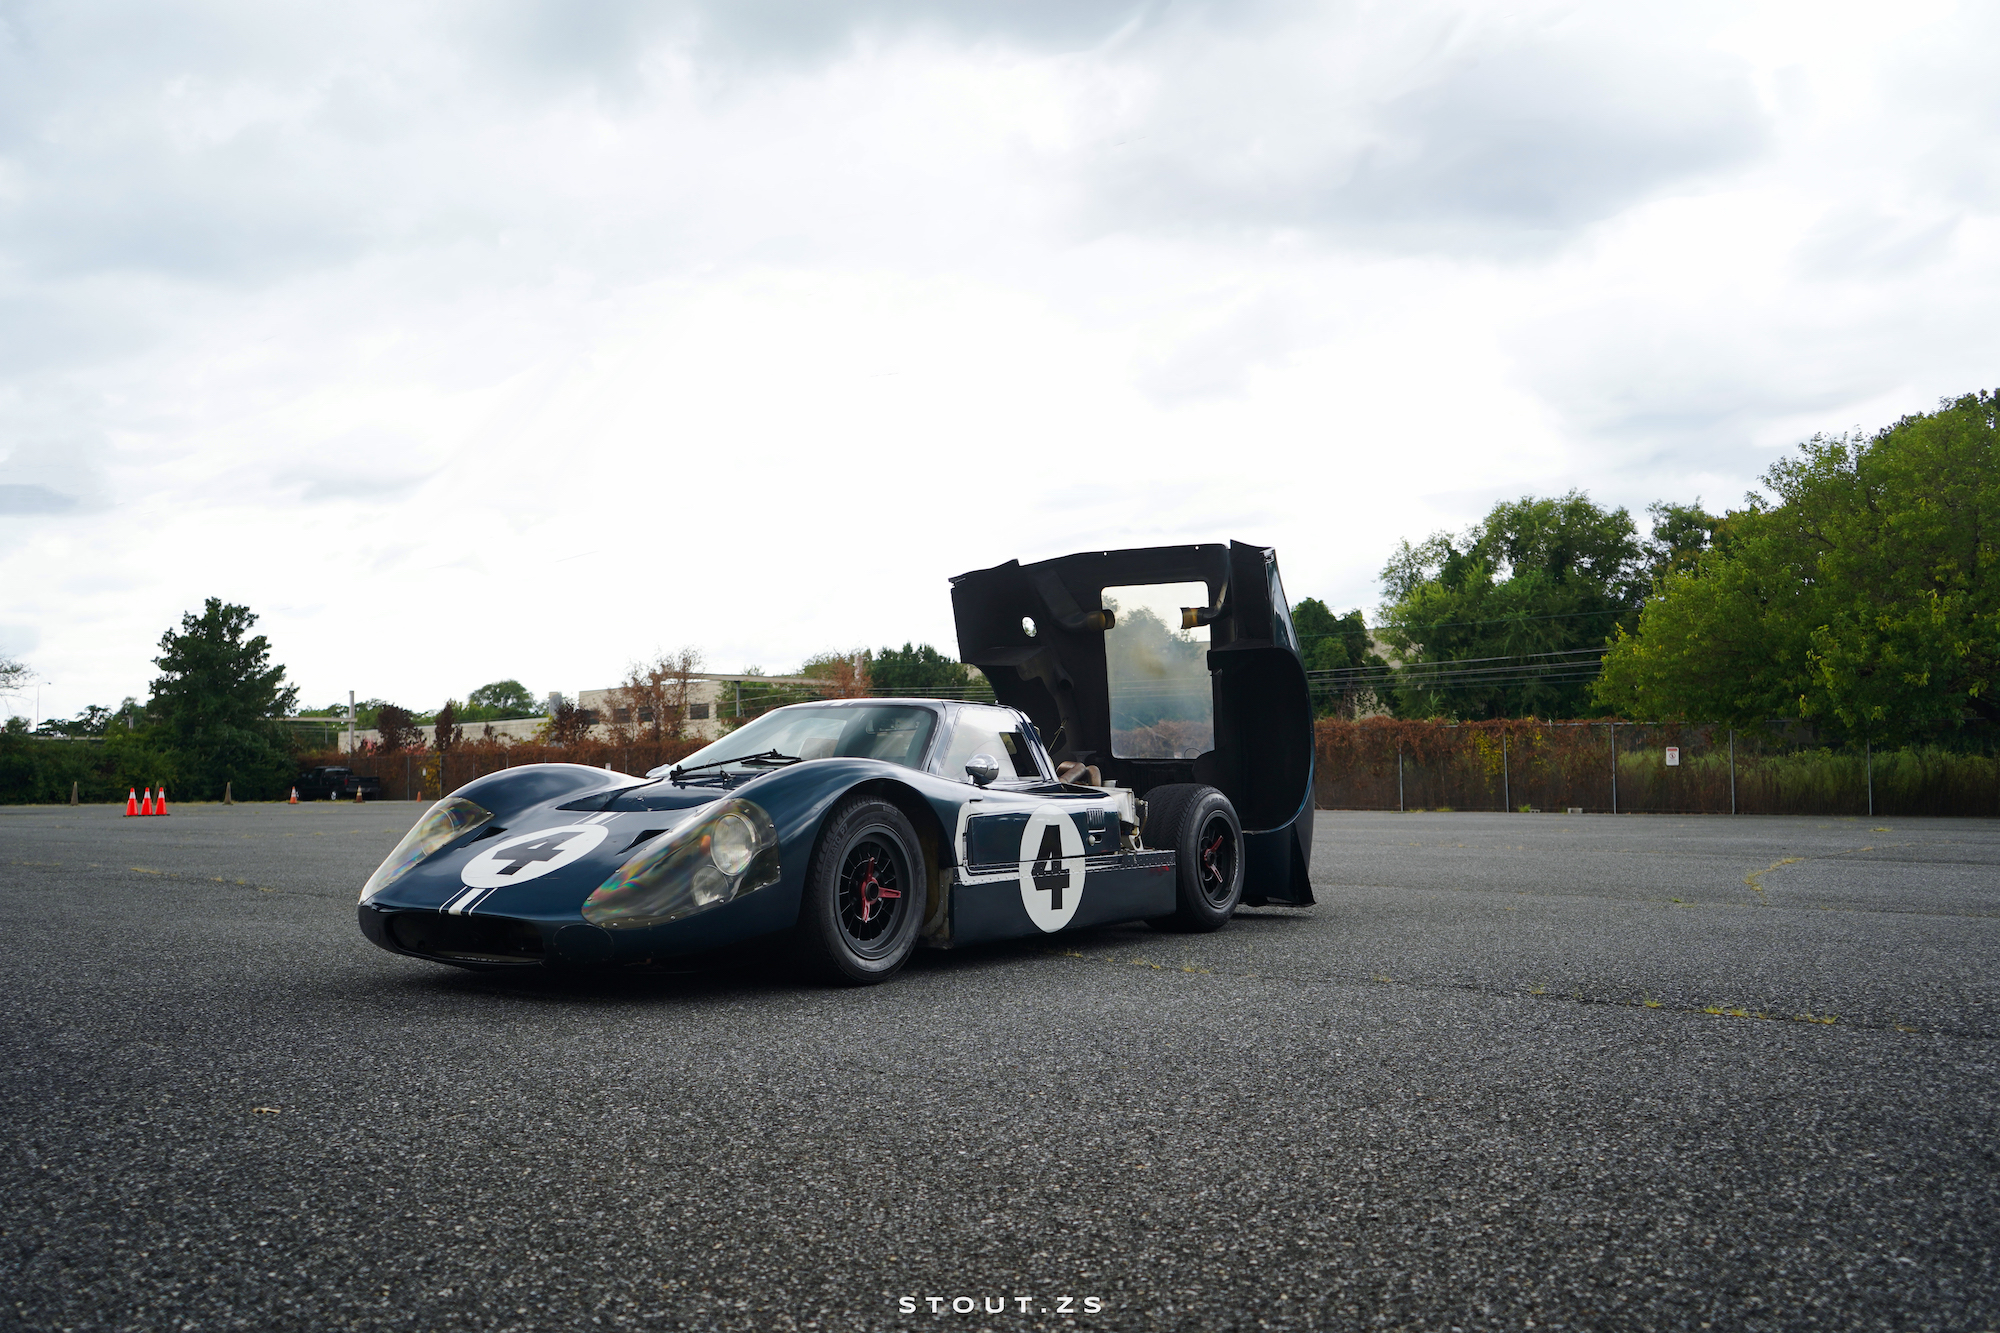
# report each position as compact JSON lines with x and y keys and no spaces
{"x":1051,"y":867}
{"x":528,"y":856}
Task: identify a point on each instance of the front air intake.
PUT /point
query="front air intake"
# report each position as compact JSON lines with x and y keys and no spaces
{"x":466,"y":939}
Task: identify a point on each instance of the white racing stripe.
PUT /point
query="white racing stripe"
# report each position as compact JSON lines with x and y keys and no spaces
{"x":463,"y":903}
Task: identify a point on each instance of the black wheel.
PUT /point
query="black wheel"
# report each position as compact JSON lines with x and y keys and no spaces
{"x":1199,"y":825}
{"x":865,"y":895}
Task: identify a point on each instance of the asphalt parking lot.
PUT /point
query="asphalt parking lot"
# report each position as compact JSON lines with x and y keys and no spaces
{"x":1546,"y":1071}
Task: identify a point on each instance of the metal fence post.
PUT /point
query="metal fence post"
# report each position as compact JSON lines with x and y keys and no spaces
{"x":1399,"y":781}
{"x":1732,"y":770}
{"x":1506,"y":790}
{"x":1868,"y":749}
{"x":1613,"y":728}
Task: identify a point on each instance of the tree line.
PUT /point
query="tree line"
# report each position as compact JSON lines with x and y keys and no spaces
{"x":216,"y":717}
{"x":207,"y":726}
{"x":1856,"y":590}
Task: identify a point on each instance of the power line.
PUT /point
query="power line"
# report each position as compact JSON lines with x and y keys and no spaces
{"x":1496,"y":620}
{"x":1558,"y":667}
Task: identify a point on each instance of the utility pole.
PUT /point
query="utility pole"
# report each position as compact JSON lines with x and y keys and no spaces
{"x":350,"y":721}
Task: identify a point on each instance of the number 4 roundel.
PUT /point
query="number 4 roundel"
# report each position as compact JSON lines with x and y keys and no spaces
{"x":1051,"y":867}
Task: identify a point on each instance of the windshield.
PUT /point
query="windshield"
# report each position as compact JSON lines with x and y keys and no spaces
{"x":897,"y":733}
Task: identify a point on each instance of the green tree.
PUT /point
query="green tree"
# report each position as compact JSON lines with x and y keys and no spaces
{"x":1680,"y":534}
{"x":845,"y":674}
{"x":1865,"y":591}
{"x":90,"y":722}
{"x":499,"y":701}
{"x":1338,"y":644}
{"x":917,"y":671}
{"x":1501,"y":622}
{"x":213,"y":701}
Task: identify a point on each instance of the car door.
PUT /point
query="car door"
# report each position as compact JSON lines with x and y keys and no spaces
{"x":1034,"y":853}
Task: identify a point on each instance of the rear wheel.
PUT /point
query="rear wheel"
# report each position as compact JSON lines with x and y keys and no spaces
{"x":1200,"y":826}
{"x":865,"y":895}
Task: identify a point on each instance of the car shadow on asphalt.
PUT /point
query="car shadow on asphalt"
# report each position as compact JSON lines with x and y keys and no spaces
{"x":761,"y":969}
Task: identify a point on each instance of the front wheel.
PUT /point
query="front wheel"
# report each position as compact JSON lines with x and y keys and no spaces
{"x":865,"y":895}
{"x":1199,"y":824}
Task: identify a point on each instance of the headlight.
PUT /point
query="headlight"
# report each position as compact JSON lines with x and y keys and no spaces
{"x":722,"y":854}
{"x":732,"y":844}
{"x":441,"y":824}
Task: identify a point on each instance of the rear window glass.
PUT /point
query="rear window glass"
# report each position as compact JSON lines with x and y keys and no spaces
{"x":1162,"y":705}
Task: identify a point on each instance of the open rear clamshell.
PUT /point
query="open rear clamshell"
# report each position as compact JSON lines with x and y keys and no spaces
{"x":1159,"y":665}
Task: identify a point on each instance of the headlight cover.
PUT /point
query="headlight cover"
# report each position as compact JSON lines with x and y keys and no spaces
{"x":725,"y":852}
{"x":441,"y":825}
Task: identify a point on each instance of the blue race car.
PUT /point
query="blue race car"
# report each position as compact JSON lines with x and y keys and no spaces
{"x":853,"y":830}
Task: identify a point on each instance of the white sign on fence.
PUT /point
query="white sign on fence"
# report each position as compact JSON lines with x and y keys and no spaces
{"x":1673,"y":756}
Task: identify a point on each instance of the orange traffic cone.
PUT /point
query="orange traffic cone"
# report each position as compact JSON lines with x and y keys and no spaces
{"x":160,"y":802}
{"x":357,"y":796}
{"x":131,"y":802}
{"x":295,"y":797}
{"x":146,"y":802}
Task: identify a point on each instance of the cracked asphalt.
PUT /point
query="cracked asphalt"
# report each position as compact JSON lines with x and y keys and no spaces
{"x":1513,"y":1071}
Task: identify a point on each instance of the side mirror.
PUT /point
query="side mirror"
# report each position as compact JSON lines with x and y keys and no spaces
{"x":982,"y":769}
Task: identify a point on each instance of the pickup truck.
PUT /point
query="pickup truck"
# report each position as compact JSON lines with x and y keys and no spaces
{"x":338,"y":784}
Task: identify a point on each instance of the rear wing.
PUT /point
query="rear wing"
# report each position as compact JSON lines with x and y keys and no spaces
{"x":1161,"y":664}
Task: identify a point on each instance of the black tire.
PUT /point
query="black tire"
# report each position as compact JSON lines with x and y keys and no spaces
{"x":1199,"y":825}
{"x":865,"y":895}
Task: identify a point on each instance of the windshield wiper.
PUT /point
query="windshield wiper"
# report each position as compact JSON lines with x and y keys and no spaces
{"x":770,"y":757}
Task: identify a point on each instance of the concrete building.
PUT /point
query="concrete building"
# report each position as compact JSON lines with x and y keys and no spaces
{"x":712,"y":701}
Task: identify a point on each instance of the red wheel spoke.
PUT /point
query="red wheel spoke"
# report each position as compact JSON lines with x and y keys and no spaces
{"x":1209,"y":869}
{"x":864,"y":894}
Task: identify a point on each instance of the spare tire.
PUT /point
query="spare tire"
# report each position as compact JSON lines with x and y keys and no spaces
{"x":1199,"y":825}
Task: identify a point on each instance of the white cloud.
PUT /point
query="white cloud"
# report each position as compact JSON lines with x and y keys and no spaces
{"x":1425,"y":126}
{"x":465,"y":342}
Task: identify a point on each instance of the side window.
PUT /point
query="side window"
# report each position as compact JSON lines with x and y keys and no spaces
{"x":1020,"y":753}
{"x":989,"y":731}
{"x":1281,"y":610}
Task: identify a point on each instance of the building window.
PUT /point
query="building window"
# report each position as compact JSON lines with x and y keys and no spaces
{"x":621,"y":715}
{"x":645,"y":714}
{"x":697,"y":712}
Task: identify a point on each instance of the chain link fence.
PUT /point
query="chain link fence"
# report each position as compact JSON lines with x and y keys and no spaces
{"x":1628,"y":767}
{"x":1521,"y":764}
{"x":426,"y":775}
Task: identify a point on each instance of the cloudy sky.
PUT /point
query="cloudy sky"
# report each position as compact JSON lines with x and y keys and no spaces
{"x":488,"y":338}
